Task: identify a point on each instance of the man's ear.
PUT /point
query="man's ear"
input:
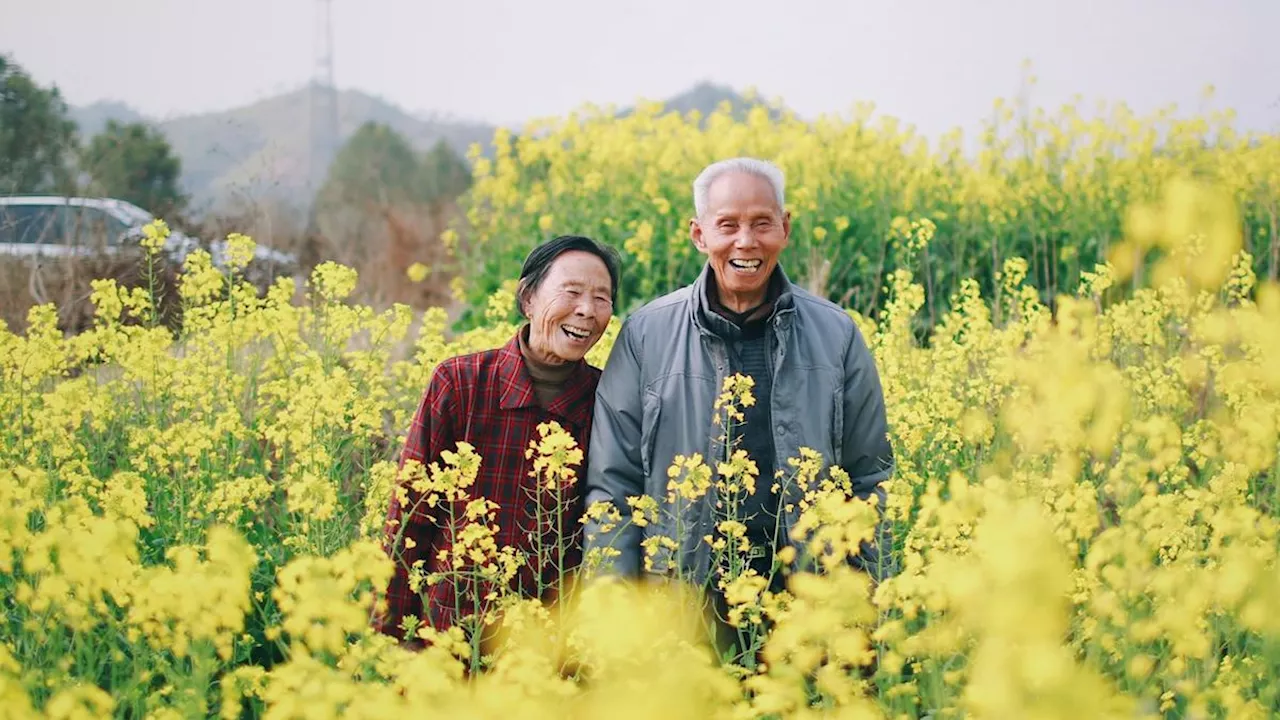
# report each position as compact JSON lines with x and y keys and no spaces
{"x":695,"y":233}
{"x":786,"y":224}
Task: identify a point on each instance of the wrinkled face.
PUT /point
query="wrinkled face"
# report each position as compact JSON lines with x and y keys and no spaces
{"x":741,"y":231}
{"x":570,"y":309}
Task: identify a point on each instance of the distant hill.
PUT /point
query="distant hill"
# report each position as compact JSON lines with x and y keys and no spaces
{"x":706,"y":97}
{"x":259,"y":153}
{"x":92,"y":119}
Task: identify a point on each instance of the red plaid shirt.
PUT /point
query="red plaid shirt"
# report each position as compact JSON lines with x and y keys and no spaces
{"x":485,"y":399}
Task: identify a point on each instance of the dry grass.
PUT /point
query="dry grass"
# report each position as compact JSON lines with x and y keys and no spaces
{"x":26,"y":282}
{"x":379,"y":242}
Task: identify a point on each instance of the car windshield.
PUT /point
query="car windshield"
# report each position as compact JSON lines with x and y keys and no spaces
{"x":133,"y":212}
{"x":29,"y":224}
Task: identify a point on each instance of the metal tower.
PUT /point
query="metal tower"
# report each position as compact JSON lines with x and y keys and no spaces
{"x":323,"y":96}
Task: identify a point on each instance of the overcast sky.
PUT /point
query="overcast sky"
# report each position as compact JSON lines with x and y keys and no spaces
{"x":935,"y":64}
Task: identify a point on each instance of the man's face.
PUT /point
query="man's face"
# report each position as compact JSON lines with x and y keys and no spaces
{"x":570,"y":309}
{"x":741,"y":231}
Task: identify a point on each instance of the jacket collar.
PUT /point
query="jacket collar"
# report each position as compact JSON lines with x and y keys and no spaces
{"x":517,"y":385}
{"x":708,"y":322}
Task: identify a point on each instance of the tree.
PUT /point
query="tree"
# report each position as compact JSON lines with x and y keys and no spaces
{"x":445,"y":172}
{"x":376,"y":175}
{"x":37,"y":138}
{"x":378,"y":167}
{"x":134,"y":162}
{"x":382,"y":207}
{"x":375,"y":168}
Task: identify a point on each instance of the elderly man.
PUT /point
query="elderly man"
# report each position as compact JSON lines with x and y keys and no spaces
{"x":495,"y":400}
{"x":815,"y":386}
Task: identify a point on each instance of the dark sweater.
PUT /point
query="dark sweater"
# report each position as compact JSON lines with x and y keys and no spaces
{"x":548,"y":380}
{"x":750,"y":355}
{"x":749,"y":341}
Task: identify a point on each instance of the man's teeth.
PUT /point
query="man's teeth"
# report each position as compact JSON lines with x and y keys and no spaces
{"x":745,"y":264}
{"x":575,"y":332}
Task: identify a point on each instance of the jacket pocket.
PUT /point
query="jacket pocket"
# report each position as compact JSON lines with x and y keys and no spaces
{"x":652,"y":412}
{"x":837,"y":424}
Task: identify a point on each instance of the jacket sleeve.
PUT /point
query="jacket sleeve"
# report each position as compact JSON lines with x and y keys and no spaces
{"x":866,"y":452}
{"x":614,"y":468}
{"x":409,"y":531}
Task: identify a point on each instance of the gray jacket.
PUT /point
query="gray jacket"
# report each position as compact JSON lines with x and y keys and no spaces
{"x":655,"y":399}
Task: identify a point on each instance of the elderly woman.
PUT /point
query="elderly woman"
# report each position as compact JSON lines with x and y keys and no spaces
{"x":495,"y":400}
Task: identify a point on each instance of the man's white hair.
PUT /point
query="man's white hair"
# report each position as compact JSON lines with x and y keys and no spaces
{"x":753,"y":166}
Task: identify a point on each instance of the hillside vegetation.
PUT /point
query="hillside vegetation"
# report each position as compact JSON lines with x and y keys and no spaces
{"x":1058,"y":189}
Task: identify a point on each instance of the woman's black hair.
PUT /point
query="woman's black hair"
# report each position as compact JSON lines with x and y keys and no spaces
{"x":540,"y":259}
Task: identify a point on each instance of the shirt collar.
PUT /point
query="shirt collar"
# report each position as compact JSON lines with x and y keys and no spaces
{"x":709,"y":321}
{"x":573,"y":404}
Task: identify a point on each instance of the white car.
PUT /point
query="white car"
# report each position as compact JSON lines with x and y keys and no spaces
{"x":53,"y":226}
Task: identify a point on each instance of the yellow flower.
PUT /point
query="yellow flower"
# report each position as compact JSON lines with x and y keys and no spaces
{"x":240,"y":249}
{"x":154,"y":236}
{"x":417,"y":272}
